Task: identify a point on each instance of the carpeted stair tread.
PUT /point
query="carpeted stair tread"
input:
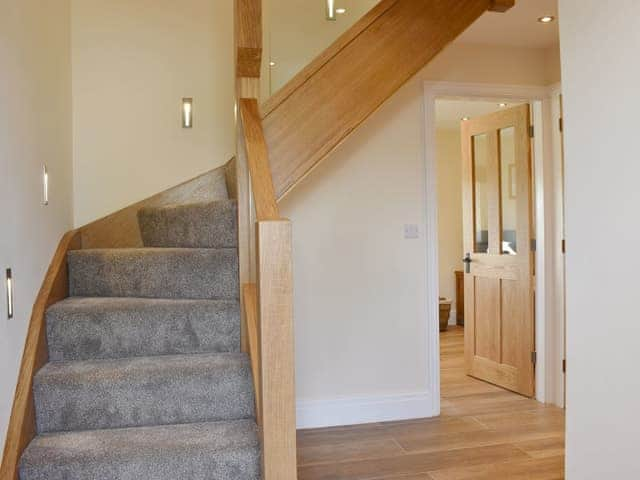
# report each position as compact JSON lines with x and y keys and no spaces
{"x":170,"y":389}
{"x":203,"y":451}
{"x":82,"y":328}
{"x":154,"y":273}
{"x":196,"y":225}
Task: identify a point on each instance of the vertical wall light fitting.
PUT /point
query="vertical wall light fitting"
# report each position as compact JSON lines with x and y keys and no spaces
{"x":331,"y":10}
{"x":45,"y":185}
{"x":187,"y":112}
{"x":9,"y":280}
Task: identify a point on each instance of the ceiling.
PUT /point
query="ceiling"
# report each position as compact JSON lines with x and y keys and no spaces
{"x":449,"y":113}
{"x":517,"y":28}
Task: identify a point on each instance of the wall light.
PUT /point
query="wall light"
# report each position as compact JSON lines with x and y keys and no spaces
{"x":341,"y":11}
{"x":45,"y":185}
{"x":331,"y":10}
{"x":465,"y":119}
{"x":546,"y":19}
{"x":502,"y":105}
{"x":9,"y":294}
{"x":187,"y":112}
{"x":272,"y":64}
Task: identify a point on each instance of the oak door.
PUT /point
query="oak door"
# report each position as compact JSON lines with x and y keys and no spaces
{"x":499,"y":316}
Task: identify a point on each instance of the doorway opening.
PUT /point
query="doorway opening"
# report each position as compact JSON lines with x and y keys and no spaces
{"x":493,"y":209}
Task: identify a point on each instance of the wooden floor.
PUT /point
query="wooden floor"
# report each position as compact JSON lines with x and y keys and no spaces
{"x":484,"y":433}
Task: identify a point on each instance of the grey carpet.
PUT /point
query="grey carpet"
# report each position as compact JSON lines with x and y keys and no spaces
{"x":198,"y":225}
{"x":143,"y":391}
{"x":80,"y":328}
{"x":209,"y":451}
{"x":154,"y":273}
{"x":145,"y":379}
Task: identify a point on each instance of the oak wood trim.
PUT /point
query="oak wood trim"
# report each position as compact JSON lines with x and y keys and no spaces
{"x":250,"y":303}
{"x":22,"y":423}
{"x":248,"y":18}
{"x":501,"y":5}
{"x":275,"y":307}
{"x":258,"y":161}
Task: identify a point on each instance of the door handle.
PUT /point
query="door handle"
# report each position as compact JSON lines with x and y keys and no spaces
{"x":467,"y":263}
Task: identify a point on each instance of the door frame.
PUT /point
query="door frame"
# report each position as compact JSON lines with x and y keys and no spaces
{"x":547,"y":200}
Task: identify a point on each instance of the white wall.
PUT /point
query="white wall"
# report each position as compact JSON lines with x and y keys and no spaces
{"x":35,"y":128}
{"x":601,"y":105}
{"x":360,"y":301}
{"x":133,"y":62}
{"x":450,"y":250}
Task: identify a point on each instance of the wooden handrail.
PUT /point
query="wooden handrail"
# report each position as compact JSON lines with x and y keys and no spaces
{"x":258,"y":160}
{"x":22,"y":423}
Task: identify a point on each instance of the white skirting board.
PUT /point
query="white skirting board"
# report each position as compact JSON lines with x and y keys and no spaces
{"x":354,"y":411}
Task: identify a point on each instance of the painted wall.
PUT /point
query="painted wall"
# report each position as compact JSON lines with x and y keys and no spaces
{"x":601,"y":106}
{"x":133,"y":62}
{"x":449,"y":158}
{"x":359,"y":285}
{"x":35,"y":128}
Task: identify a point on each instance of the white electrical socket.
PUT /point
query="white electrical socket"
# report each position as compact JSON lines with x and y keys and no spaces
{"x":411,"y":231}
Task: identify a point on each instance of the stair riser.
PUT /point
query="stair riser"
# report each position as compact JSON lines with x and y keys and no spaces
{"x":70,"y":396}
{"x":154,"y":273}
{"x":223,"y":451}
{"x":209,"y":225}
{"x":91,"y":329}
{"x":240,"y":464}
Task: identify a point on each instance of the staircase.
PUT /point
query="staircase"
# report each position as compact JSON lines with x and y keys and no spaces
{"x":145,"y":378}
{"x":161,"y":343}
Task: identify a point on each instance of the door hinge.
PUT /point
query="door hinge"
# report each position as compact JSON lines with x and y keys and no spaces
{"x":564,"y":365}
{"x":532,"y":131}
{"x":534,"y":357}
{"x":561,"y":124}
{"x":534,"y":245}
{"x":564,"y":246}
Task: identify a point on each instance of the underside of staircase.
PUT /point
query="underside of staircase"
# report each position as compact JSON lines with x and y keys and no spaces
{"x":145,"y":378}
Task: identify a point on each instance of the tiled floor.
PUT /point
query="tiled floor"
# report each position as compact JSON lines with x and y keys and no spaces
{"x":484,"y":433}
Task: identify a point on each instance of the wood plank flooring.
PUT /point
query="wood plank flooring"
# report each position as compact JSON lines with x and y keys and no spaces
{"x":484,"y":433}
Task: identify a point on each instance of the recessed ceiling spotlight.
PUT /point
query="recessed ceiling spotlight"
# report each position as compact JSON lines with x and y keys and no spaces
{"x":341,"y":11}
{"x":546,"y":19}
